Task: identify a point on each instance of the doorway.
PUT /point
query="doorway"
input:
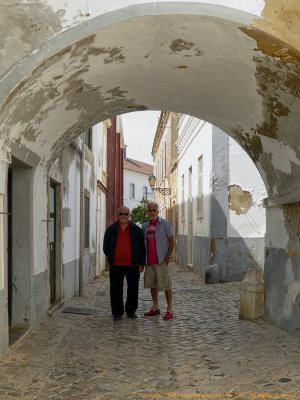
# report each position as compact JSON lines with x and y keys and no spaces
{"x":9,"y":246}
{"x":18,"y":250}
{"x":52,"y":241}
{"x":190,"y":219}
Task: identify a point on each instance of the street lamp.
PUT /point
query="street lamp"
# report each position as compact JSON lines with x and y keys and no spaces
{"x":152,"y":182}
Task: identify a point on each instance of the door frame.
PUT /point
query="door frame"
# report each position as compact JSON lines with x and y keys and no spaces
{"x":58,"y":296}
{"x":190,"y":216}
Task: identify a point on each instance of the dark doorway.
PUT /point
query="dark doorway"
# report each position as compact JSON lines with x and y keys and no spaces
{"x":52,"y":240}
{"x":9,"y":245}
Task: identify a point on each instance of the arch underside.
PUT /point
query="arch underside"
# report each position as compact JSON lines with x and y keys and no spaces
{"x":234,"y":76}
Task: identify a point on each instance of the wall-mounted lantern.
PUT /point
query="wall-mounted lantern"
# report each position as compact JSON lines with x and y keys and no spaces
{"x":152,"y":183}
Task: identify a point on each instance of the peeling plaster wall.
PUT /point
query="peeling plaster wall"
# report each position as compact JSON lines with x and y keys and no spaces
{"x":247,"y":217}
{"x":232,"y":239}
{"x":57,"y":84}
{"x":37,"y":22}
{"x":197,"y":53}
{"x":281,"y":19}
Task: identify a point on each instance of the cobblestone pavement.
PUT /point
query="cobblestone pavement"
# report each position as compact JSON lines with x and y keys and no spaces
{"x":204,"y":351}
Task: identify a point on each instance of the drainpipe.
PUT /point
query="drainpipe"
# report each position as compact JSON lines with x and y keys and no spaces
{"x":81,"y":244}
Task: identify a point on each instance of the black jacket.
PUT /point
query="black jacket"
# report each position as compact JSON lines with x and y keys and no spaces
{"x":138,"y":248}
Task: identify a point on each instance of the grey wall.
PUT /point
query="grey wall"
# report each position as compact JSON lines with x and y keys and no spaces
{"x":71,"y":275}
{"x":39,"y":299}
{"x":4,"y":322}
{"x":71,"y":279}
{"x":240,"y":256}
{"x":182,"y":249}
{"x":201,"y":254}
{"x":22,"y":246}
{"x":89,"y":268}
{"x":281,"y":271}
{"x":219,"y":200}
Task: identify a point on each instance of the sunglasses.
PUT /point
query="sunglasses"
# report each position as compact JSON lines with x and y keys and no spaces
{"x":152,"y":210}
{"x":123,"y":213}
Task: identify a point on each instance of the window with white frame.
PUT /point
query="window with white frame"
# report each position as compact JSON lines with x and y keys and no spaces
{"x":145,"y":192}
{"x":200,"y":213}
{"x":131,"y":190}
{"x":182,"y":198}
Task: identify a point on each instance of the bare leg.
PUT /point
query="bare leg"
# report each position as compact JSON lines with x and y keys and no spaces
{"x":154,"y":294}
{"x":168,"y":294}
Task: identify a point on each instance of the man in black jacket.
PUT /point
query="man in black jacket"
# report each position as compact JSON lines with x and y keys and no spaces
{"x":124,"y":247}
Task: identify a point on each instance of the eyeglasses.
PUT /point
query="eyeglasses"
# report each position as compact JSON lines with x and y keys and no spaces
{"x":123,"y":213}
{"x":152,"y":210}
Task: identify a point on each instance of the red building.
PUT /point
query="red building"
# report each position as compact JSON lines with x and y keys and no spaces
{"x":115,"y":156}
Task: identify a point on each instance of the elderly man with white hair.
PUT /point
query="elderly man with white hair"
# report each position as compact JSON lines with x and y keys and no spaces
{"x":124,"y":247}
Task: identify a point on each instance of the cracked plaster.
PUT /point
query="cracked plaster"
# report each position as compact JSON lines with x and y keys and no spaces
{"x":73,"y":83}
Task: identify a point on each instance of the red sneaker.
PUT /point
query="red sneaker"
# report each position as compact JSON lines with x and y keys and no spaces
{"x":151,"y":313}
{"x":168,"y":315}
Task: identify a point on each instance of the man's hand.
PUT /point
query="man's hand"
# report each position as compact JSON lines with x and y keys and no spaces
{"x":141,"y":268}
{"x":167,"y":260}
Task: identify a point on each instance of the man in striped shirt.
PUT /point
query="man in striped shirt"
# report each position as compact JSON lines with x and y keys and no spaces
{"x":159,"y":237}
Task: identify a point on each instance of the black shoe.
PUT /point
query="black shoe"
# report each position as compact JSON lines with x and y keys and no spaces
{"x":117,"y":317}
{"x":131,"y":315}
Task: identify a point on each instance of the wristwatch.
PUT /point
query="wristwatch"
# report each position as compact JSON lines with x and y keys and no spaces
{"x":169,"y":256}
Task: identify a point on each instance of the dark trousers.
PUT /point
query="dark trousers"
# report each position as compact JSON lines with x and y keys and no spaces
{"x":116,"y":277}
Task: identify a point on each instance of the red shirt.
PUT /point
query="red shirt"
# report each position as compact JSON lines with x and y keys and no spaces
{"x":123,"y":254}
{"x":151,"y":244}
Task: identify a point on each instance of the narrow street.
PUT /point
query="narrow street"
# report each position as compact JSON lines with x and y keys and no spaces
{"x":204,"y":350}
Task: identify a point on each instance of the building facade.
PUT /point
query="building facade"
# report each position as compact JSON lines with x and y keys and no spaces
{"x":45,"y":270}
{"x":136,"y":185}
{"x":220,"y":191}
{"x":165,"y":169}
{"x":115,"y":156}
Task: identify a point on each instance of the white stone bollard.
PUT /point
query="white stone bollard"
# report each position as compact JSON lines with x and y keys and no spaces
{"x":252,"y":295}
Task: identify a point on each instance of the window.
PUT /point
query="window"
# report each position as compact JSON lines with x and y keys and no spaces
{"x":88,"y":138}
{"x":200,"y":213}
{"x":182,"y":198}
{"x":86,"y":221}
{"x":131,"y":190}
{"x":145,"y":192}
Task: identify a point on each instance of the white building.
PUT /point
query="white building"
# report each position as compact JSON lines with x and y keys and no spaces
{"x":79,"y":190}
{"x":68,"y":205}
{"x":136,"y":185}
{"x":220,"y":194}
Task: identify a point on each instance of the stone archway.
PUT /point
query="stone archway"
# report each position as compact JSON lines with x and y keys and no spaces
{"x":208,"y":62}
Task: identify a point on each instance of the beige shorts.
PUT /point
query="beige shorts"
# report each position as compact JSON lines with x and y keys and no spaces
{"x":157,"y":276}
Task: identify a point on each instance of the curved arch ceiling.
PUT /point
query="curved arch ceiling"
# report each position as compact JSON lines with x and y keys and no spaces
{"x":238,"y":78}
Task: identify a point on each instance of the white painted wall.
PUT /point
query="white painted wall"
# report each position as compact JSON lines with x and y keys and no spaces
{"x":194,"y":141}
{"x":139,"y":180}
{"x":40,"y":226}
{"x":100,"y":160}
{"x":94,"y":169}
{"x":244,"y":173}
{"x":71,"y":200}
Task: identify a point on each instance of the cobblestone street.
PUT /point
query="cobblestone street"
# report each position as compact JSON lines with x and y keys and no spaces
{"x":204,"y":350}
